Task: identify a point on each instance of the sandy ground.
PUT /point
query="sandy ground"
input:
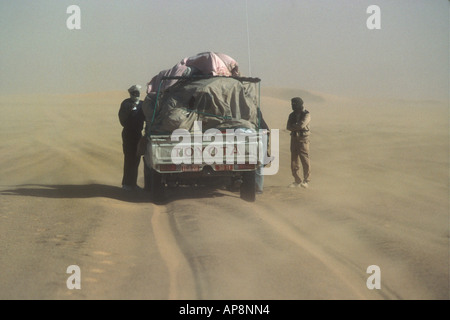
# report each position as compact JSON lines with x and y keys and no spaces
{"x":378,"y":196}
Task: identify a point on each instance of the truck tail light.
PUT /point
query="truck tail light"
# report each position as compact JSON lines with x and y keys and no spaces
{"x":244,"y":166}
{"x":223,"y":167}
{"x":168,"y":167}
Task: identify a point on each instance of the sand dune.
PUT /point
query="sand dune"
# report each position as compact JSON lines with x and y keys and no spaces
{"x":378,"y":196}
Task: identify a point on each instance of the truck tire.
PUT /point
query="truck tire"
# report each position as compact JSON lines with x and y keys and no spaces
{"x":153,"y":184}
{"x":247,"y":191}
{"x":157,"y":188}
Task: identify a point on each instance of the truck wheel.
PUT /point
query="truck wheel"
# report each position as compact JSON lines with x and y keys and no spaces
{"x":247,"y":191}
{"x":157,"y":188}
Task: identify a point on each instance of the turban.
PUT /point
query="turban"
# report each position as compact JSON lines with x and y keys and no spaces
{"x":297,"y":101}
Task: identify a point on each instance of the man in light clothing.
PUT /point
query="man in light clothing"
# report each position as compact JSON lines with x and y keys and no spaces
{"x":298,"y":124}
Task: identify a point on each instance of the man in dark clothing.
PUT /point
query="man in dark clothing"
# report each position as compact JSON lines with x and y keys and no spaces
{"x":132,"y":118}
{"x":298,"y":124}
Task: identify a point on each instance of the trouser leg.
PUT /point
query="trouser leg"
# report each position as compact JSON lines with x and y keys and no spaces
{"x":130,"y":162}
{"x":259,"y":179}
{"x":304,"y":157}
{"x":295,"y":161}
{"x":259,"y":174}
{"x":130,"y":169}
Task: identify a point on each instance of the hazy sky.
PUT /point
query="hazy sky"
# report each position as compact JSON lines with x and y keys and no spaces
{"x":317,"y":45}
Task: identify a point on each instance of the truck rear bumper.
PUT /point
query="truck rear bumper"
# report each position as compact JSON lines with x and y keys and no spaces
{"x":204,"y":169}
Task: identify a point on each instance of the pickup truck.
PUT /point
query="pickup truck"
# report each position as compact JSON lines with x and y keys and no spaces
{"x":203,"y":129}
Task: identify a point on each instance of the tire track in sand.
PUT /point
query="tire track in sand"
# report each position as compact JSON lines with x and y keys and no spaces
{"x":181,"y":277}
{"x":351,"y":277}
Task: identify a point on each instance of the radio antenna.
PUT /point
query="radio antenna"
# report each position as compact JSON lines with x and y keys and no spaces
{"x":248,"y":41}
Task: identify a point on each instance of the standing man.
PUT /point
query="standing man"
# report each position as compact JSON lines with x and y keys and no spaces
{"x":298,"y":124}
{"x":131,"y":118}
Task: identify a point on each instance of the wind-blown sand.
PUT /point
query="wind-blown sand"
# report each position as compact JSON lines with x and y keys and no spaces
{"x":378,"y":196}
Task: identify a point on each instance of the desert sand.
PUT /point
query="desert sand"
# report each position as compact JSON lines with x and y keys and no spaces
{"x":378,"y":196}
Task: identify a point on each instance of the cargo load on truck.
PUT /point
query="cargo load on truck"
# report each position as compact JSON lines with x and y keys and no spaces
{"x":205,"y":63}
{"x":218,"y":102}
